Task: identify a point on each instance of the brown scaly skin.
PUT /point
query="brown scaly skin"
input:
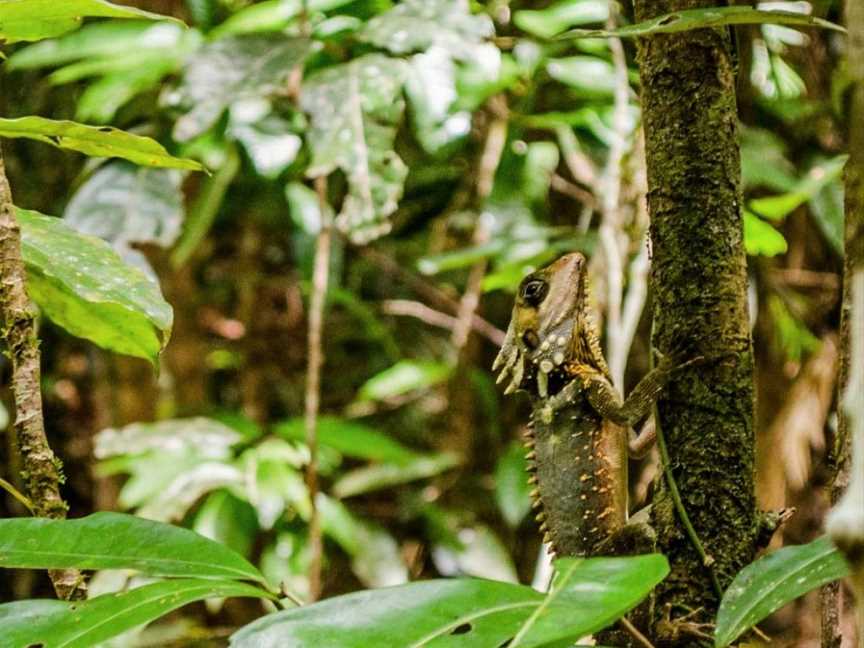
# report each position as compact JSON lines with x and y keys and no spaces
{"x":578,"y":441}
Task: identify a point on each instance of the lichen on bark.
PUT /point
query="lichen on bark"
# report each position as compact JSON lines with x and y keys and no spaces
{"x":41,"y":470}
{"x":699,"y":283}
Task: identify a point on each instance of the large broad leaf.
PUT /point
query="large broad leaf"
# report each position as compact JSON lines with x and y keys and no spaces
{"x":587,"y":596}
{"x":417,"y":25}
{"x":703,"y":18}
{"x":124,"y":204}
{"x":118,"y":541}
{"x":554,"y":19}
{"x":355,"y":109}
{"x":31,"y":20}
{"x":350,"y":438}
{"x":234,"y":69}
{"x":384,"y":475}
{"x":769,"y":583}
{"x":101,"y":141}
{"x":82,"y":285}
{"x":85,"y":624}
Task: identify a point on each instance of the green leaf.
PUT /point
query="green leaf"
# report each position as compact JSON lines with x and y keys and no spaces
{"x":404,"y":377}
{"x":270,"y":15}
{"x":418,"y":25}
{"x":124,"y":205}
{"x":511,"y":485}
{"x":96,"y":141}
{"x":104,"y":41}
{"x":827,"y":209}
{"x":548,"y":22}
{"x":87,"y":623}
{"x":31,"y":20}
{"x":204,"y":437}
{"x":587,"y":596}
{"x":355,"y":109}
{"x":118,"y":541}
{"x":769,"y":583}
{"x":478,"y":552}
{"x":227,"y":520}
{"x":761,"y":237}
{"x":350,"y":438}
{"x":81,"y":284}
{"x":375,"y":557}
{"x":378,"y":476}
{"x":234,"y":69}
{"x":431,"y":90}
{"x":817,"y":178}
{"x":704,"y":18}
{"x":588,"y":74}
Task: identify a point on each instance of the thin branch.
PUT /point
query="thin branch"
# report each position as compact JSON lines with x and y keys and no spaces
{"x":493,"y":148}
{"x":633,"y":631}
{"x":313,"y":383}
{"x":408,"y":308}
{"x":41,"y":469}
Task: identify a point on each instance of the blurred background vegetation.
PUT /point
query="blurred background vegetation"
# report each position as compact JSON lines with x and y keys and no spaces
{"x":483,"y":149}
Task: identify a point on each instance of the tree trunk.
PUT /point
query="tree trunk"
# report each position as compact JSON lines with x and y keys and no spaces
{"x":699,"y":283}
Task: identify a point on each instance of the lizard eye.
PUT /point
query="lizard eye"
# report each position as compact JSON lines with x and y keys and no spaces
{"x":534,"y":291}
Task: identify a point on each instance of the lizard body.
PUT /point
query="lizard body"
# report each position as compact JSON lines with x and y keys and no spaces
{"x":578,"y":439}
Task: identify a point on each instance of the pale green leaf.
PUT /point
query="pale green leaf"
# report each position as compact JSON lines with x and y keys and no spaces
{"x":355,"y":110}
{"x":95,"y":141}
{"x":234,"y":69}
{"x":384,"y":475}
{"x":81,"y":284}
{"x":761,"y":237}
{"x":404,"y":377}
{"x":511,"y":485}
{"x":31,"y":20}
{"x":270,"y":15}
{"x":204,"y":437}
{"x":557,"y":17}
{"x":706,"y":18}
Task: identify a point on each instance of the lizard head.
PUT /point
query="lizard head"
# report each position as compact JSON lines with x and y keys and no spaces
{"x":546,"y":326}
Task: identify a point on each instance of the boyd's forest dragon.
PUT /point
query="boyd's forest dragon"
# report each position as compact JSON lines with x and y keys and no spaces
{"x":579,"y":438}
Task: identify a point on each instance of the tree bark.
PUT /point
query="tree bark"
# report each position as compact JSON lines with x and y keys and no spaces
{"x":41,"y":469}
{"x":832,"y":594}
{"x":699,"y":282}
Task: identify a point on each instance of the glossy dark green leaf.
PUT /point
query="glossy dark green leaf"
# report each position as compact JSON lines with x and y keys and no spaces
{"x":87,"y":623}
{"x":96,"y":141}
{"x":118,"y":541}
{"x":587,"y":596}
{"x":769,"y":583}
{"x":81,"y":284}
{"x":350,"y":438}
{"x":704,"y":18}
{"x":31,"y":20}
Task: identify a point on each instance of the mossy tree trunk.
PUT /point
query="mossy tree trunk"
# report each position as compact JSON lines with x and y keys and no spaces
{"x":699,"y":283}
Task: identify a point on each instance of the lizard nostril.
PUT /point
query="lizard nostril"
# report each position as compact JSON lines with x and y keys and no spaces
{"x":530,"y":339}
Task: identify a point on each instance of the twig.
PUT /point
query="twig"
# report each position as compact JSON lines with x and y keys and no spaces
{"x":41,"y":468}
{"x":493,"y":148}
{"x":313,"y":383}
{"x":633,"y":631}
{"x":408,"y":308}
{"x":18,"y":495}
{"x":574,"y":191}
{"x":610,"y":226}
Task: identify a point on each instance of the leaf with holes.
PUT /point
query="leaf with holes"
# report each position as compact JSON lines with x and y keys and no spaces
{"x":118,"y":541}
{"x":81,"y":284}
{"x":32,"y":20}
{"x":769,"y":583}
{"x":355,"y":110}
{"x":587,"y":595}
{"x":88,"y":623}
{"x":95,"y":141}
{"x":705,"y":18}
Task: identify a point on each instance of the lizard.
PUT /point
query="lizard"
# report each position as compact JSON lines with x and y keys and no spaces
{"x":578,"y":439}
